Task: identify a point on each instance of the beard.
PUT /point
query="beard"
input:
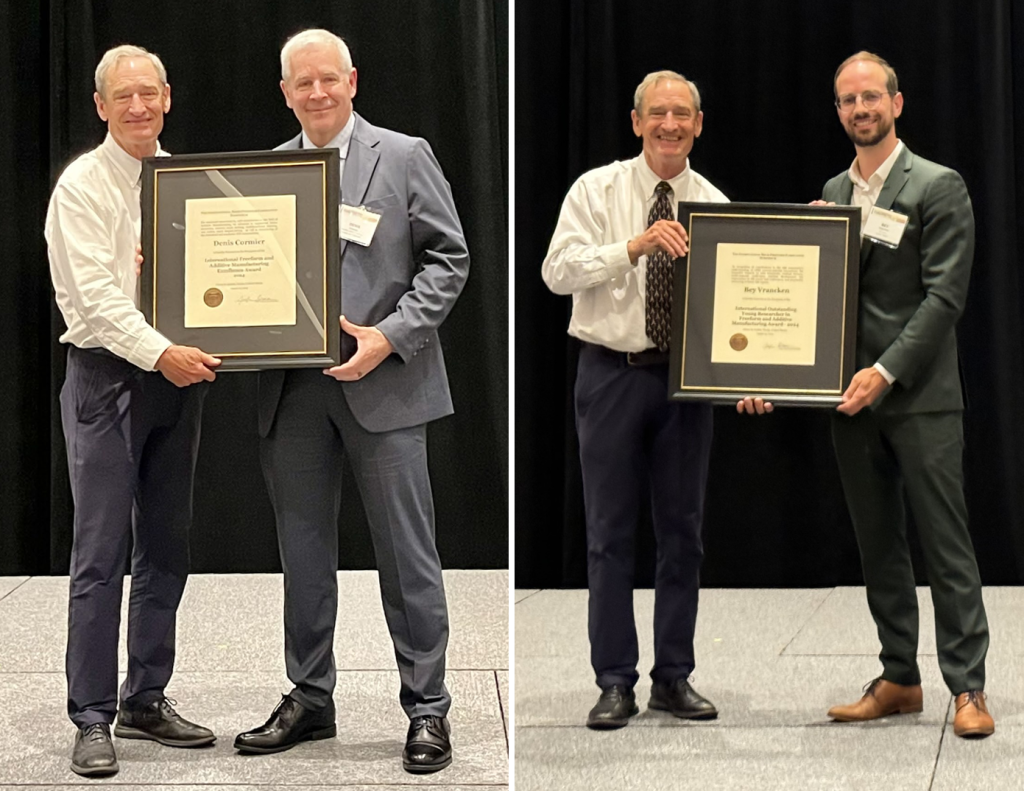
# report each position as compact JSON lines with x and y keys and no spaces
{"x":866,"y":140}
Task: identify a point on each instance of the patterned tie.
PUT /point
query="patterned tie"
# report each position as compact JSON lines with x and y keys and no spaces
{"x":658,"y":311}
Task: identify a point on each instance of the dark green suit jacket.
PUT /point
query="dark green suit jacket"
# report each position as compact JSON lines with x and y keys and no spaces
{"x":912,"y":297}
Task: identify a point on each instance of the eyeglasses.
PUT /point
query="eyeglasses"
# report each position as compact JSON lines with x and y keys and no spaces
{"x":870,"y":100}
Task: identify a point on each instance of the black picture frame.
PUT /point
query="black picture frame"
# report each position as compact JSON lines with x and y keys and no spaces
{"x":836,"y":231}
{"x":312,"y":176}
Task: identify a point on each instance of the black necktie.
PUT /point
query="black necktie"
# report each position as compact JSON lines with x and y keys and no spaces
{"x":658,"y":309}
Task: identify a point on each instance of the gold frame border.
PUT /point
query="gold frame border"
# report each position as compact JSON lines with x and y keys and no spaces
{"x":323,"y":235}
{"x":842,"y":336}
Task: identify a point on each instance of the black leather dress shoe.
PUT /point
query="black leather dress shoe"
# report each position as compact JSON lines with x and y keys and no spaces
{"x":614,"y":708}
{"x":93,"y":753}
{"x":289,"y":724}
{"x":428,"y":747}
{"x":682,"y":700}
{"x":159,"y":722}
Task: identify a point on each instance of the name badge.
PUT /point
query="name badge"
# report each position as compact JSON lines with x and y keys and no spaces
{"x":357,"y":224}
{"x":885,"y":227}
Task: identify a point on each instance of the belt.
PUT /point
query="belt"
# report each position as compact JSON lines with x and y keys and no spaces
{"x":635,"y":359}
{"x":647,"y":357}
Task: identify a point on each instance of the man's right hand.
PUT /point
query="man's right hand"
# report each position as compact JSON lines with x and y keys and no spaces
{"x":822,"y":203}
{"x":186,"y":365}
{"x":667,"y":235}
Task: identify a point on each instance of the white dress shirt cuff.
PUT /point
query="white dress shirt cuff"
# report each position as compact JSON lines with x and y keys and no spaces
{"x":617,"y":257}
{"x":888,"y":376}
{"x":147,"y":350}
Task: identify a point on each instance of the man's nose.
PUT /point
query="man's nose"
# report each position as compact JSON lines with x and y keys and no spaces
{"x":670,"y":119}
{"x":859,"y":105}
{"x":318,"y":91}
{"x":137,"y":105}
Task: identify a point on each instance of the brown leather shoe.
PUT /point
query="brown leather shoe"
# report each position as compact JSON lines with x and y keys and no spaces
{"x":972,"y":719}
{"x":881,"y":698}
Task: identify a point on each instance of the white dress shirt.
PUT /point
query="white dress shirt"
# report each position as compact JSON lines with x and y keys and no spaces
{"x":92,"y":228}
{"x":341,"y":141}
{"x":604,"y":210}
{"x":866,"y":192}
{"x":865,"y":195}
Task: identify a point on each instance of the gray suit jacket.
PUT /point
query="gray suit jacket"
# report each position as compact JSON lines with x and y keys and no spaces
{"x":404,"y":283}
{"x":912,"y":297}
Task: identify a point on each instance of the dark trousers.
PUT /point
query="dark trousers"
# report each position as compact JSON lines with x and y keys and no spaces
{"x":132,"y":439}
{"x":302,"y":459}
{"x":634,"y":444}
{"x":881,"y":459}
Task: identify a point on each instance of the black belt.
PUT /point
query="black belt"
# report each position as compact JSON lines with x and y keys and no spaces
{"x":647,"y":357}
{"x":635,"y":359}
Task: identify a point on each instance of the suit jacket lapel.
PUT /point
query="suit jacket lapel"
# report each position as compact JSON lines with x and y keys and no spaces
{"x":894,"y":184}
{"x":359,"y":166}
{"x":897,"y":180}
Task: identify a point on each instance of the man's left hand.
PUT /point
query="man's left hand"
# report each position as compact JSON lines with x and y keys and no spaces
{"x":865,"y":388}
{"x":371,"y":349}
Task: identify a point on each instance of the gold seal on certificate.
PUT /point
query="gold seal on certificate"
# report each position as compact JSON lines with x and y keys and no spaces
{"x":766,"y":295}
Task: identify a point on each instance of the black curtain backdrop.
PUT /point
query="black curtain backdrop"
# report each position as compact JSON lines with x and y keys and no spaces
{"x":775,"y":511}
{"x":433,"y":68}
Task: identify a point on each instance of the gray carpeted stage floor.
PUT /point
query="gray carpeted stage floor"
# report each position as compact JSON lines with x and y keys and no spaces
{"x":230,"y":674}
{"x":773,"y":661}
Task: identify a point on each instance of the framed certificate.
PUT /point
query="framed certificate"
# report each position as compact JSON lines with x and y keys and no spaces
{"x":241,"y":255}
{"x":765,"y":304}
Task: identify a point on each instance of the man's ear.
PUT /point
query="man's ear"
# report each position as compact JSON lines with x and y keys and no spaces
{"x":101,"y":109}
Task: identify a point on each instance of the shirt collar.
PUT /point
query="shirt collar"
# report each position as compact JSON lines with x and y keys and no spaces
{"x":123,"y":162}
{"x":649,"y":179}
{"x":880,"y":175}
{"x":341,"y":140}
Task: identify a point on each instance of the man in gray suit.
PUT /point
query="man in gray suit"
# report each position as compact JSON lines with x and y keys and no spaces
{"x":899,"y":430}
{"x":374,"y":407}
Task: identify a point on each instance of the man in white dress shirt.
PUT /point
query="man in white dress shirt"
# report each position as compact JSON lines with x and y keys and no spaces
{"x":130,"y":411}
{"x":613,"y":251}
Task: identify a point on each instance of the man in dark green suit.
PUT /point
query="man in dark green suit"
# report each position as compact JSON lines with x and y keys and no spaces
{"x":899,"y":429}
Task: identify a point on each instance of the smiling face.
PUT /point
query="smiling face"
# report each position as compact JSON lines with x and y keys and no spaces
{"x":319,"y":91}
{"x":866,"y":127}
{"x":133,"y":105}
{"x":668,"y":122}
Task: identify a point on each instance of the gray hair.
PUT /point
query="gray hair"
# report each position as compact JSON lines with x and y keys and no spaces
{"x":313,"y":37}
{"x":112,"y":56}
{"x":653,"y":79}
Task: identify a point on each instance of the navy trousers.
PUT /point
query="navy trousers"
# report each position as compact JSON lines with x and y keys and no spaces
{"x":132,"y":439}
{"x":634,"y":444}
